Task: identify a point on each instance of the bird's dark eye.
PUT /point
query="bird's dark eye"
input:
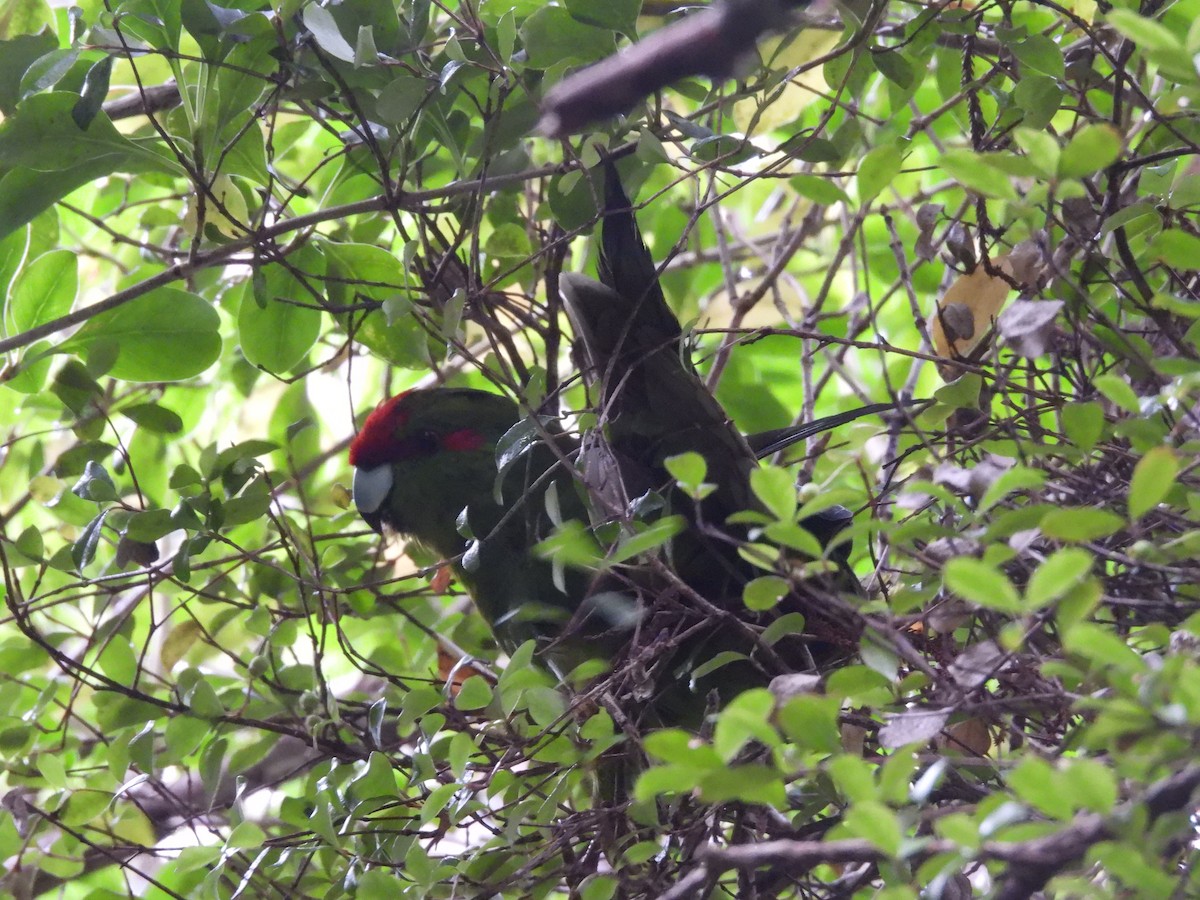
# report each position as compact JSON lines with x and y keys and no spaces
{"x":427,"y":441}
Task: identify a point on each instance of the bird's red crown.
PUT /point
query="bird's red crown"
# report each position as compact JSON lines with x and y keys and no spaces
{"x":376,"y":440}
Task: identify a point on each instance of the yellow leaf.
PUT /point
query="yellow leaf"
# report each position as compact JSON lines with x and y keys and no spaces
{"x":969,"y":307}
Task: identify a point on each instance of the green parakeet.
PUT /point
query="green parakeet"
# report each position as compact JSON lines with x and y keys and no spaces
{"x":442,"y":467}
{"x":426,"y":466}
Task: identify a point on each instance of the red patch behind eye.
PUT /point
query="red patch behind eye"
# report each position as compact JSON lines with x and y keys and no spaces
{"x":464,"y":439}
{"x":376,"y":441}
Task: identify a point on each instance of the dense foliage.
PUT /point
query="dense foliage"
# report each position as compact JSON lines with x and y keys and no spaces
{"x":228,"y":231}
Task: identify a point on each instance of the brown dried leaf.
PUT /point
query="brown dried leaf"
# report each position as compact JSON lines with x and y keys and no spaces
{"x":969,"y":736}
{"x":945,"y":549}
{"x":975,"y":480}
{"x":454,"y":670}
{"x":949,"y":615}
{"x":1027,"y":263}
{"x":958,"y":321}
{"x":440,"y":582}
{"x":854,"y":738}
{"x":976,"y":665}
{"x":927,"y":218}
{"x":912,"y":727}
{"x":787,"y":687}
{"x":1028,"y":326}
{"x":960,"y":246}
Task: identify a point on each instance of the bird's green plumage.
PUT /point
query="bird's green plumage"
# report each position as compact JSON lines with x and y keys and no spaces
{"x":438,"y":471}
{"x":652,"y":405}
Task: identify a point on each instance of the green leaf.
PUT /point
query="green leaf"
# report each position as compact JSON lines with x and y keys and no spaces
{"x":877,"y":170}
{"x":251,"y":506}
{"x":1177,"y":248}
{"x":84,"y":806}
{"x":619,"y":15}
{"x":508,"y":241}
{"x":820,"y":190}
{"x":1094,"y":147}
{"x":379,"y":884}
{"x":149,"y":526}
{"x":118,"y":661}
{"x":874,"y":822}
{"x":1102,"y":647}
{"x":651,"y":538}
{"x":475,"y":693}
{"x":982,"y":584}
{"x":1039,"y":96}
{"x":571,"y":544}
{"x":865,"y":686}
{"x":1091,"y":784}
{"x":54,"y":772}
{"x":1127,"y":861}
{"x":276,"y":330}
{"x":765,"y":592}
{"x":813,"y":149}
{"x":746,"y":718}
{"x":853,"y":778}
{"x":688,"y":469}
{"x":1082,"y":524}
{"x":747,"y":783}
{"x":1018,"y":478}
{"x":95,"y":484}
{"x":794,"y":537}
{"x":1083,"y":423}
{"x":678,"y":746}
{"x":973,"y":172}
{"x":166,"y":335}
{"x":154,"y":418}
{"x":1153,"y":477}
{"x":961,"y":393}
{"x":775,"y":488}
{"x":116,"y":712}
{"x":43,"y":136}
{"x":202,"y":699}
{"x":1118,"y":391}
{"x":400,"y":98}
{"x":1058,"y":574}
{"x":894,"y":67}
{"x":1041,"y":149}
{"x":598,"y":887}
{"x":1036,"y":782}
{"x":1040,"y":53}
{"x":1146,"y":33}
{"x":16,"y":56}
{"x":44,"y":290}
{"x":812,"y":722}
{"x":83,"y":551}
{"x":357,"y":272}
{"x":667,"y":780}
{"x":552,"y":35}
{"x":30,"y":543}
{"x":320,"y":21}
{"x":1157,"y":41}
{"x":95,"y":90}
{"x":24,"y":193}
{"x":724,"y":658}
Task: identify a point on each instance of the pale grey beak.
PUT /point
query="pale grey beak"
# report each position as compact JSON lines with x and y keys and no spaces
{"x":371,"y":489}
